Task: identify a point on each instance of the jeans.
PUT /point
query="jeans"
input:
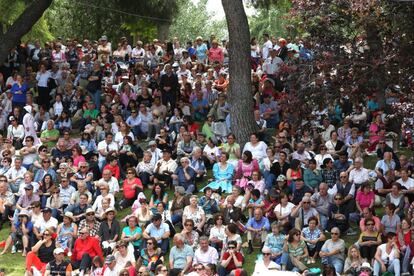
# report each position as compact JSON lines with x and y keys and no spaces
{"x":285,"y":260}
{"x":393,"y":267}
{"x":336,"y":262}
{"x":324,"y":221}
{"x":270,"y":179}
{"x":97,"y":98}
{"x":406,"y":260}
{"x":176,"y":219}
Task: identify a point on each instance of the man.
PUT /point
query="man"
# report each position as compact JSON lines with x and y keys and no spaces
{"x":28,"y":180}
{"x":327,"y":129}
{"x":299,"y":189}
{"x":185,"y":176}
{"x":322,"y":201}
{"x":165,"y":168}
{"x":110,"y":266}
{"x":367,"y":214}
{"x":230,"y":213}
{"x":44,"y":170}
{"x":15,"y":175}
{"x":79,"y":209}
{"x":134,"y":122}
{"x":301,"y":154}
{"x":267,"y":46}
{"x":269,"y":110}
{"x":60,"y":152}
{"x":303,"y":212}
{"x":186,"y":146}
{"x":66,"y":192}
{"x":160,"y":231}
{"x":312,"y":176}
{"x":104,"y":147}
{"x":257,"y":227}
{"x":347,"y":191}
{"x":59,"y":266}
{"x":386,"y":164}
{"x":84,"y":250}
{"x":108,"y":179}
{"x":205,"y":254}
{"x":359,"y":174}
{"x":197,"y":163}
{"x":25,"y":201}
{"x":6,"y":202}
{"x":181,"y":256}
{"x":88,"y":221}
{"x":200,"y":107}
{"x":169,"y":87}
{"x":45,"y":222}
{"x":83,"y":176}
{"x":146,"y":119}
{"x":50,"y":135}
{"x":342,"y":164}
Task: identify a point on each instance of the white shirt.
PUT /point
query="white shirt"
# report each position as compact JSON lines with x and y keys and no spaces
{"x":119,"y":138}
{"x":104,"y":146}
{"x":284,"y":210}
{"x":13,"y":132}
{"x":169,"y":165}
{"x":261,"y":269}
{"x":271,"y":66}
{"x":122,"y":261}
{"x":42,"y":78}
{"x":409,"y":184}
{"x":359,"y":176}
{"x":42,"y":225}
{"x":205,"y":257}
{"x":112,"y":183}
{"x":319,"y":159}
{"x":258,"y":151}
{"x":156,"y":155}
{"x":265,"y":49}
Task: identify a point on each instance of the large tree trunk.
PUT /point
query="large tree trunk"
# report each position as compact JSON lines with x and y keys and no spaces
{"x":239,"y":93}
{"x":163,"y":28}
{"x":22,"y":26}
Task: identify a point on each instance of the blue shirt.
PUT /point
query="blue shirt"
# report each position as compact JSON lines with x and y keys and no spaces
{"x":263,"y":223}
{"x":29,"y":225}
{"x":127,"y":231}
{"x":311,"y":235}
{"x":15,"y":90}
{"x":201,"y":51}
{"x":157,"y":232}
{"x":275,"y":243}
{"x":179,"y":256}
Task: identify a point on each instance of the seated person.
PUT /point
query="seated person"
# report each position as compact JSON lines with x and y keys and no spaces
{"x":369,"y":240}
{"x":46,"y":222}
{"x":205,"y":254}
{"x":333,"y":251}
{"x":181,"y":256}
{"x":314,"y":239}
{"x":387,"y":256}
{"x":164,"y":168}
{"x":338,"y":215}
{"x":160,"y":231}
{"x":390,"y":222}
{"x":59,"y":264}
{"x":257,"y":227}
{"x":20,"y":234}
{"x":185,"y":175}
{"x":84,"y":250}
{"x":42,"y":253}
{"x":303,"y":212}
{"x":275,"y":241}
{"x":231,"y":259}
{"x":78,"y":209}
{"x":230,"y":213}
{"x":223,"y":174}
{"x":209,"y":204}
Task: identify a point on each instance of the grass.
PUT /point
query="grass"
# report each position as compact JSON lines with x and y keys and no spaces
{"x":15,"y":264}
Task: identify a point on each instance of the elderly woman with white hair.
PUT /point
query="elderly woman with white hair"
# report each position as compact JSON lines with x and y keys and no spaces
{"x":333,"y":251}
{"x":265,"y":265}
{"x":185,"y":176}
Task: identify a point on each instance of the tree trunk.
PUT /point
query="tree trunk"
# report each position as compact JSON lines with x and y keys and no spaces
{"x":239,"y":94}
{"x":163,"y":28}
{"x":22,"y":25}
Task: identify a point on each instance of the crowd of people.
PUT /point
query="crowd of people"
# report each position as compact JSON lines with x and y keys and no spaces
{"x":92,"y":129}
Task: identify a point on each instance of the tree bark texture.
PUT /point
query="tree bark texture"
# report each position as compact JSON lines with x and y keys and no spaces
{"x":163,"y":28}
{"x":22,"y":26}
{"x":239,"y":93}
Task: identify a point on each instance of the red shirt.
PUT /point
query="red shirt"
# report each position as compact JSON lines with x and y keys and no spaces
{"x":90,"y":245}
{"x":231,"y":264}
{"x":116,"y":172}
{"x":129,"y":192}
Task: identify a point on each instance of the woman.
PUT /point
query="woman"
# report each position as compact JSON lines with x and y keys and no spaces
{"x":176,"y":120}
{"x":275,"y":241}
{"x":66,"y":232}
{"x":104,"y":189}
{"x":256,"y":147}
{"x":297,"y":252}
{"x":191,"y":236}
{"x":132,"y":234}
{"x":294,"y":172}
{"x":344,"y":132}
{"x":77,"y":156}
{"x":178,"y":204}
{"x":28,"y":152}
{"x":124,"y":259}
{"x":314,"y":239}
{"x":236,"y":193}
{"x":365,"y":198}
{"x":15,"y":132}
{"x":55,"y":202}
{"x":396,"y":198}
{"x":143,"y":213}
{"x":283,"y":211}
{"x":223,"y":174}
{"x":150,"y":256}
{"x":232,"y":148}
{"x":232,"y":236}
{"x":19,"y":90}
{"x":334,"y":146}
{"x":132,"y":186}
{"x":123,"y":131}
{"x":109,"y":230}
{"x":390,"y":222}
{"x":353,"y":261}
{"x":129,"y":153}
{"x":20,"y":234}
{"x":29,"y":125}
{"x":333,"y":251}
{"x":145,"y":97}
{"x":266,"y":265}
{"x":211,"y":153}
{"x":245,"y":168}
{"x":194,"y":213}
{"x":354,"y":144}
{"x":374,"y":131}
{"x":63,"y":122}
{"x":163,"y":139}
{"x":231,"y":258}
{"x":322,"y":155}
{"x":88,"y":143}
{"x":369,"y":240}
{"x":387,"y":256}
{"x":45,"y":188}
{"x":217,"y":233}
{"x":145,"y":168}
{"x":158,"y":195}
{"x":41,"y":254}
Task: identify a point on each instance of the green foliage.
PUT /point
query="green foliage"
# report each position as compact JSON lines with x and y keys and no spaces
{"x":11,"y":10}
{"x":271,"y":20}
{"x":193,"y":20}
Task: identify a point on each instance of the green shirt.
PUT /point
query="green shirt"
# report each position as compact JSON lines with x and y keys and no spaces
{"x":54,"y":133}
{"x":91,"y":113}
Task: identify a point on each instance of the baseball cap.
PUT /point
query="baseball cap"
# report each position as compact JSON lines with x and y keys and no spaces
{"x":109,"y":259}
{"x":58,"y":251}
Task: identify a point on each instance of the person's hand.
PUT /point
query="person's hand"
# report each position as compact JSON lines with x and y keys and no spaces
{"x":383,"y":268}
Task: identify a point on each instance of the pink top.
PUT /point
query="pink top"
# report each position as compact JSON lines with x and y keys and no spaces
{"x":377,"y":222}
{"x":373,"y":133}
{"x":365,"y":200}
{"x":216,"y":54}
{"x":78,"y":159}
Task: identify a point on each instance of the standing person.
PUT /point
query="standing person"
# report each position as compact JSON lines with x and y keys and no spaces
{"x":42,"y":79}
{"x":19,"y":90}
{"x":169,"y":87}
{"x":29,"y":125}
{"x":94,"y":84}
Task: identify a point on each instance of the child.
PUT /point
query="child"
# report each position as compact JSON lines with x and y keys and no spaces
{"x":255,"y":201}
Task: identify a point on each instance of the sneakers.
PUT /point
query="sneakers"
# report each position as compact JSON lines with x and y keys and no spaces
{"x":309,"y":261}
{"x":14,"y":249}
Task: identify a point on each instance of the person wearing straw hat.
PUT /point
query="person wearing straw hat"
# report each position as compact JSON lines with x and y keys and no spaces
{"x":109,"y":230}
{"x":90,"y":222}
{"x":66,"y":232}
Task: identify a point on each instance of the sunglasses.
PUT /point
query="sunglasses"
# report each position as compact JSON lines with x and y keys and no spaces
{"x":130,"y":173}
{"x":334,"y":233}
{"x":338,"y":198}
{"x":232,"y":247}
{"x":197,"y":269}
{"x":82,"y":167}
{"x":343,"y":176}
{"x":46,"y":234}
{"x":369,"y":224}
{"x":163,"y":270}
{"x":83,"y":233}
{"x":297,"y":234}
{"x":91,"y":214}
{"x":306,"y":202}
{"x":149,"y":243}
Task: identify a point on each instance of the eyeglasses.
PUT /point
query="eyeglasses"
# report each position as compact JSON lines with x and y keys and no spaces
{"x":91,"y":214}
{"x":83,"y":233}
{"x":343,"y":176}
{"x":334,"y":233}
{"x":149,"y":243}
{"x":46,"y":161}
{"x":338,"y":198}
{"x":232,"y":247}
{"x":267,"y":254}
{"x":46,"y":234}
{"x":82,"y":167}
{"x":130,"y":172}
{"x":44,"y":150}
{"x":369,"y":224}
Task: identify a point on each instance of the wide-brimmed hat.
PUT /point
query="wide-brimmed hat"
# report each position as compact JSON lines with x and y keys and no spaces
{"x":89,"y":210}
{"x":110,"y":209}
{"x":58,"y":251}
{"x":366,"y":265}
{"x":69,"y":215}
{"x":24,"y":213}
